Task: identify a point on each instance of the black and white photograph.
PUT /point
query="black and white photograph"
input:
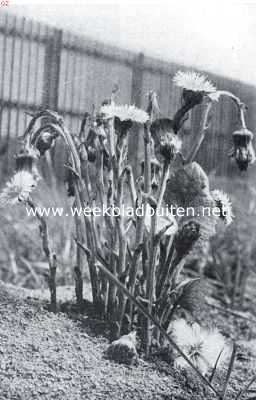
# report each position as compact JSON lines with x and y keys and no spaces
{"x":127,"y":200}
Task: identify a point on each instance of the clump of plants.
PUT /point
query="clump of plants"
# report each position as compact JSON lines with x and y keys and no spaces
{"x":135,"y":250}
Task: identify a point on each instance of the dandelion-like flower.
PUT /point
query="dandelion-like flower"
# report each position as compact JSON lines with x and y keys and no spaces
{"x":18,"y":188}
{"x":224,"y":204}
{"x":200,"y":345}
{"x":193,"y":81}
{"x":125,"y":113}
{"x":26,"y":160}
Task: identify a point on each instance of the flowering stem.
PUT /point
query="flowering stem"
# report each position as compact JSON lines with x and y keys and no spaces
{"x":89,"y":226}
{"x":203,"y":128}
{"x":153,"y":251}
{"x":51,"y":257}
{"x":79,"y":260}
{"x":140,"y":219}
{"x":131,"y":184}
{"x":165,"y":273}
{"x":147,"y":153}
{"x":240,"y":105}
{"x":81,"y":201}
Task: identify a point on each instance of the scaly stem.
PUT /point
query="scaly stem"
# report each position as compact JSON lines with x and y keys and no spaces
{"x":147,"y":155}
{"x":51,"y":257}
{"x":153,"y":251}
{"x":131,"y":185}
{"x":80,"y":187}
{"x":79,"y":263}
{"x":203,"y":128}
{"x":140,"y":219}
{"x":117,"y":259}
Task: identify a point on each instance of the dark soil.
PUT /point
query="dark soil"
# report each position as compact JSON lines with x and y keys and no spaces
{"x":61,"y":356}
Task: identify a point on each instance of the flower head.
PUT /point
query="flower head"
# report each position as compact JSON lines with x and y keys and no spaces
{"x":200,"y":345}
{"x":26,"y":160}
{"x":125,"y":113}
{"x":193,"y":81}
{"x":18,"y":188}
{"x":243,"y":149}
{"x":224,"y":204}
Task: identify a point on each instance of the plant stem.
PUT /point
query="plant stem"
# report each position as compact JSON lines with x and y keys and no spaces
{"x":150,"y":284}
{"x":78,"y":286}
{"x":51,"y":257}
{"x":203,"y":128}
{"x":140,"y":219}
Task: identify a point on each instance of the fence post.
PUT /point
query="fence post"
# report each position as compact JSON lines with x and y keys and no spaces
{"x":52,"y":70}
{"x":136,"y":98}
{"x":51,"y":89}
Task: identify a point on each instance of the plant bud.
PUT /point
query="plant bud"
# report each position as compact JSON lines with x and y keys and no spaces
{"x":45,"y":141}
{"x":186,"y":237}
{"x":167,"y":143}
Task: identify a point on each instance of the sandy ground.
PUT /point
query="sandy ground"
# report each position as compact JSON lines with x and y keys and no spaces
{"x":61,"y":356}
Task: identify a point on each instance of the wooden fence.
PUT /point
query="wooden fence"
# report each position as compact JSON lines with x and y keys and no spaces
{"x":45,"y":67}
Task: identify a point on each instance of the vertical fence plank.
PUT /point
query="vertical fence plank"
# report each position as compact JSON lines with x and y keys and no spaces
{"x":51,"y":84}
{"x":136,"y":98}
{"x":3,"y":55}
{"x":20,"y":73}
{"x":36,"y":62}
{"x":52,"y":69}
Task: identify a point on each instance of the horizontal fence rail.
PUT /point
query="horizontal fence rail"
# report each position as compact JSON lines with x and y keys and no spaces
{"x":41,"y":66}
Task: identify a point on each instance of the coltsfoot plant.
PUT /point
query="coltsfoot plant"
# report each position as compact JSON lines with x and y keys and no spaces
{"x":136,"y":250}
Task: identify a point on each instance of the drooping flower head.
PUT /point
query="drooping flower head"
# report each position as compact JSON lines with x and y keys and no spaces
{"x":224,"y":204}
{"x":125,"y":113}
{"x":18,"y":188}
{"x":243,"y":149}
{"x":200,"y":345}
